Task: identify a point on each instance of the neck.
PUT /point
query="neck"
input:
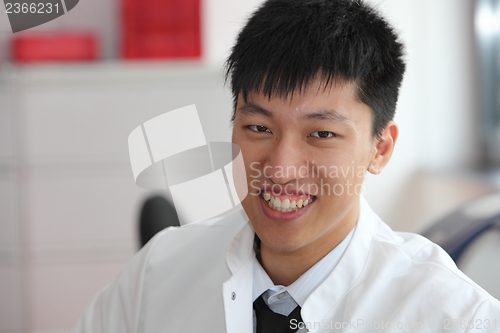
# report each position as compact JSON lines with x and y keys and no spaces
{"x":285,"y":267}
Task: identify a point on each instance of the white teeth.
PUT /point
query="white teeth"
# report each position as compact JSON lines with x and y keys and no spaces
{"x":285,"y":204}
{"x":277,"y":202}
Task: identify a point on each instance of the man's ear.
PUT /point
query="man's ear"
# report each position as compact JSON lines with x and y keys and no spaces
{"x":383,"y":148}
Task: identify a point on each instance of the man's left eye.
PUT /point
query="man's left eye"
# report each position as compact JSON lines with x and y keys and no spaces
{"x":323,"y":134}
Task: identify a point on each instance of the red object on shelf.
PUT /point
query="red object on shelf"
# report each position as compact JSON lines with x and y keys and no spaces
{"x":159,"y":29}
{"x":56,"y":47}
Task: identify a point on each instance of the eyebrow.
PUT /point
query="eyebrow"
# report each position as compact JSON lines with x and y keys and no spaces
{"x":329,"y":115}
{"x":253,"y":109}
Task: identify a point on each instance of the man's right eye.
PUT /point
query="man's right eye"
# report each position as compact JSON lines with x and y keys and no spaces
{"x":258,"y":128}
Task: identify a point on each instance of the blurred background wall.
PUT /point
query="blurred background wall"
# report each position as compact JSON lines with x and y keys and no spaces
{"x":68,"y":203}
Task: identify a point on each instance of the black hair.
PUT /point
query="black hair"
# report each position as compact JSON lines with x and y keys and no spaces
{"x":288,"y":43}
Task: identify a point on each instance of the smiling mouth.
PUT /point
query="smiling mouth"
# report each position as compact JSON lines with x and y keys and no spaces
{"x":286,"y":204}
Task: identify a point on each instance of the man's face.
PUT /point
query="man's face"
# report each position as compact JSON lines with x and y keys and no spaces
{"x":313,"y":148}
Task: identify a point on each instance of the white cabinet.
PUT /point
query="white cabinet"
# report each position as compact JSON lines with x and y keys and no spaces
{"x":68,"y":202}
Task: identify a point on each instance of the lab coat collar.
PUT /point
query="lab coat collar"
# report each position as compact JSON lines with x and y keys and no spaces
{"x":323,"y":300}
{"x":237,"y":291}
{"x":240,"y":250}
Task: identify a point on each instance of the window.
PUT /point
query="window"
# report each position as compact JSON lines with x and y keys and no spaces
{"x":487,"y":26}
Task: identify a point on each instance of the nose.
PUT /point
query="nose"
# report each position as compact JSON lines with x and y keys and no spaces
{"x":286,"y":162}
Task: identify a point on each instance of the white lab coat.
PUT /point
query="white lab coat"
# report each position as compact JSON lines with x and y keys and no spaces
{"x":198,"y":278}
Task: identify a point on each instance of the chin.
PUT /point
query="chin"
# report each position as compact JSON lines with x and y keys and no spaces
{"x":280,"y":240}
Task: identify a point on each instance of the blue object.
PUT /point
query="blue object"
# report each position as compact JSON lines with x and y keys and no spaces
{"x":457,"y":231}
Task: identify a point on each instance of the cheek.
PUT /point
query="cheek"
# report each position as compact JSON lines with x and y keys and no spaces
{"x":245,"y":151}
{"x":252,"y":157}
{"x":252,"y":165}
{"x":253,"y":169}
{"x":340,"y":180}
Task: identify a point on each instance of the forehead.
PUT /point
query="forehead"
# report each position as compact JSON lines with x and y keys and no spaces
{"x":333,"y":102}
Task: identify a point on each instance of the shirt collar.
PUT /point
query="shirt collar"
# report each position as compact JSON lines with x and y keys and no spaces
{"x":307,"y":282}
{"x":328,"y":294}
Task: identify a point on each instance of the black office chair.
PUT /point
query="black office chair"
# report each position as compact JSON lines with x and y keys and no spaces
{"x":157,"y":213}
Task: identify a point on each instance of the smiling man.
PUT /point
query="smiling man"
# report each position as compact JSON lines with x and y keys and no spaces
{"x":298,"y":207}
{"x":315,"y":86}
